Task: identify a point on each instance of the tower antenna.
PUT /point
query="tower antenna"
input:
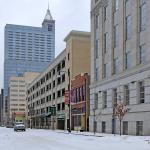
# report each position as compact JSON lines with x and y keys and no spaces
{"x":48,"y":5}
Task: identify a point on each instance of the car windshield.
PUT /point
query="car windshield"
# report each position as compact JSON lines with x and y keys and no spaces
{"x":18,"y":123}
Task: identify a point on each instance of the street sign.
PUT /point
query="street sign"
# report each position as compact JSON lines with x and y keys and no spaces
{"x":53,"y":110}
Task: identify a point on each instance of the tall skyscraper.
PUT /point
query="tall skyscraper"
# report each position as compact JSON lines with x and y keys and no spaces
{"x":28,"y":49}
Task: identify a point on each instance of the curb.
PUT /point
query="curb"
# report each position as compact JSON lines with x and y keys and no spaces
{"x":79,"y":134}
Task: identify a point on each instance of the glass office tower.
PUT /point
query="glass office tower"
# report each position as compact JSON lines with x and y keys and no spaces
{"x":28,"y":48}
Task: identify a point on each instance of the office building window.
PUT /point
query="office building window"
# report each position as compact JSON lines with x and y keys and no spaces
{"x":139,"y":128}
{"x":128,"y":27}
{"x":142,"y":15}
{"x":103,"y":126}
{"x":142,"y":54}
{"x":141,"y":92}
{"x":116,"y":35}
{"x":105,"y":71}
{"x":96,"y":101}
{"x":125,"y":128}
{"x":50,"y":27}
{"x":105,"y":12}
{"x":96,"y":21}
{"x":96,"y":48}
{"x":116,"y":5}
{"x":105,"y":42}
{"x":96,"y":1}
{"x":104,"y":99}
{"x":128,"y":60}
{"x":116,"y":65}
{"x":96,"y":74}
{"x":114,"y":97}
{"x":126,"y":95}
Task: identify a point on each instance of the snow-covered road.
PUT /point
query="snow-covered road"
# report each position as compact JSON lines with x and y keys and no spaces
{"x":52,"y":140}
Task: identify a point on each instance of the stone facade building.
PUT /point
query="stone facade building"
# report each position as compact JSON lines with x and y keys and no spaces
{"x":1,"y":107}
{"x":17,"y":97}
{"x":120,"y":65}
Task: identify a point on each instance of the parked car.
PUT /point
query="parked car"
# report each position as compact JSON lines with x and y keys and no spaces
{"x":19,"y":126}
{"x":9,"y":126}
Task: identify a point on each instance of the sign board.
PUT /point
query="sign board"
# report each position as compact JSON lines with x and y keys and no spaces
{"x":66,"y":97}
{"x":53,"y":111}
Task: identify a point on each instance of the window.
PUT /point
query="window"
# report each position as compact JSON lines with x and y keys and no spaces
{"x":96,"y":101}
{"x":53,"y":83}
{"x":128,"y":60}
{"x":63,"y":78}
{"x":104,"y":99}
{"x":142,"y":54}
{"x":128,"y":4}
{"x":114,"y":97}
{"x":139,"y":128}
{"x":63,"y":106}
{"x":96,"y":1}
{"x":105,"y":73}
{"x":95,"y":126}
{"x":103,"y":126}
{"x":58,"y":107}
{"x":58,"y":94}
{"x":116,"y":35}
{"x":141,"y":92}
{"x":50,"y":27}
{"x":105,"y":42}
{"x":53,"y":71}
{"x":125,"y":128}
{"x":116,"y":5}
{"x":142,"y":15}
{"x":63,"y":92}
{"x":68,"y":56}
{"x":105,"y":13}
{"x":96,"y":74}
{"x":96,"y":48}
{"x":96,"y":21}
{"x":58,"y":80}
{"x":116,"y":65}
{"x":53,"y":95}
{"x":128,"y":27}
{"x":126,"y":95}
{"x":63,"y":63}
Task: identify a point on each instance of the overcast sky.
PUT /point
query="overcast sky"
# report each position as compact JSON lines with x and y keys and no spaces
{"x":69,"y":15}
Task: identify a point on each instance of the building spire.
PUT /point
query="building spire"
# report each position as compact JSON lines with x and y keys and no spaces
{"x":48,"y":15}
{"x":48,"y":5}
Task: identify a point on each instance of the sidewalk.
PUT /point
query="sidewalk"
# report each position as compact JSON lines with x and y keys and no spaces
{"x":79,"y":133}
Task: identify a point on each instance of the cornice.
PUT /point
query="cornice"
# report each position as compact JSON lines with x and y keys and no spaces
{"x":100,"y":3}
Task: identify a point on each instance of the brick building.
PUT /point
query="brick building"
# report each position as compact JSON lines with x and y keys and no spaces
{"x":80,"y":98}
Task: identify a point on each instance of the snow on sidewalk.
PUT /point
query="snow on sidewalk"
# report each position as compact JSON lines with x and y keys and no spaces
{"x":59,"y":140}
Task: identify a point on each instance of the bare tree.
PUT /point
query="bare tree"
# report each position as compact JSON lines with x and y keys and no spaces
{"x":120,"y":112}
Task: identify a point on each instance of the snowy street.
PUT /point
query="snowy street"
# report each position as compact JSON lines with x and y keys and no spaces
{"x":57,"y":140}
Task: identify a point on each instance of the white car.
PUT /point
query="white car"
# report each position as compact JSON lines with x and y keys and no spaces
{"x":19,"y":126}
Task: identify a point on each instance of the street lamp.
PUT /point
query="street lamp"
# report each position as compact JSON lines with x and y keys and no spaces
{"x":69,"y":105}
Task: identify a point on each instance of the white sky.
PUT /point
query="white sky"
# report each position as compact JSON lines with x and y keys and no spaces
{"x":69,"y":15}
